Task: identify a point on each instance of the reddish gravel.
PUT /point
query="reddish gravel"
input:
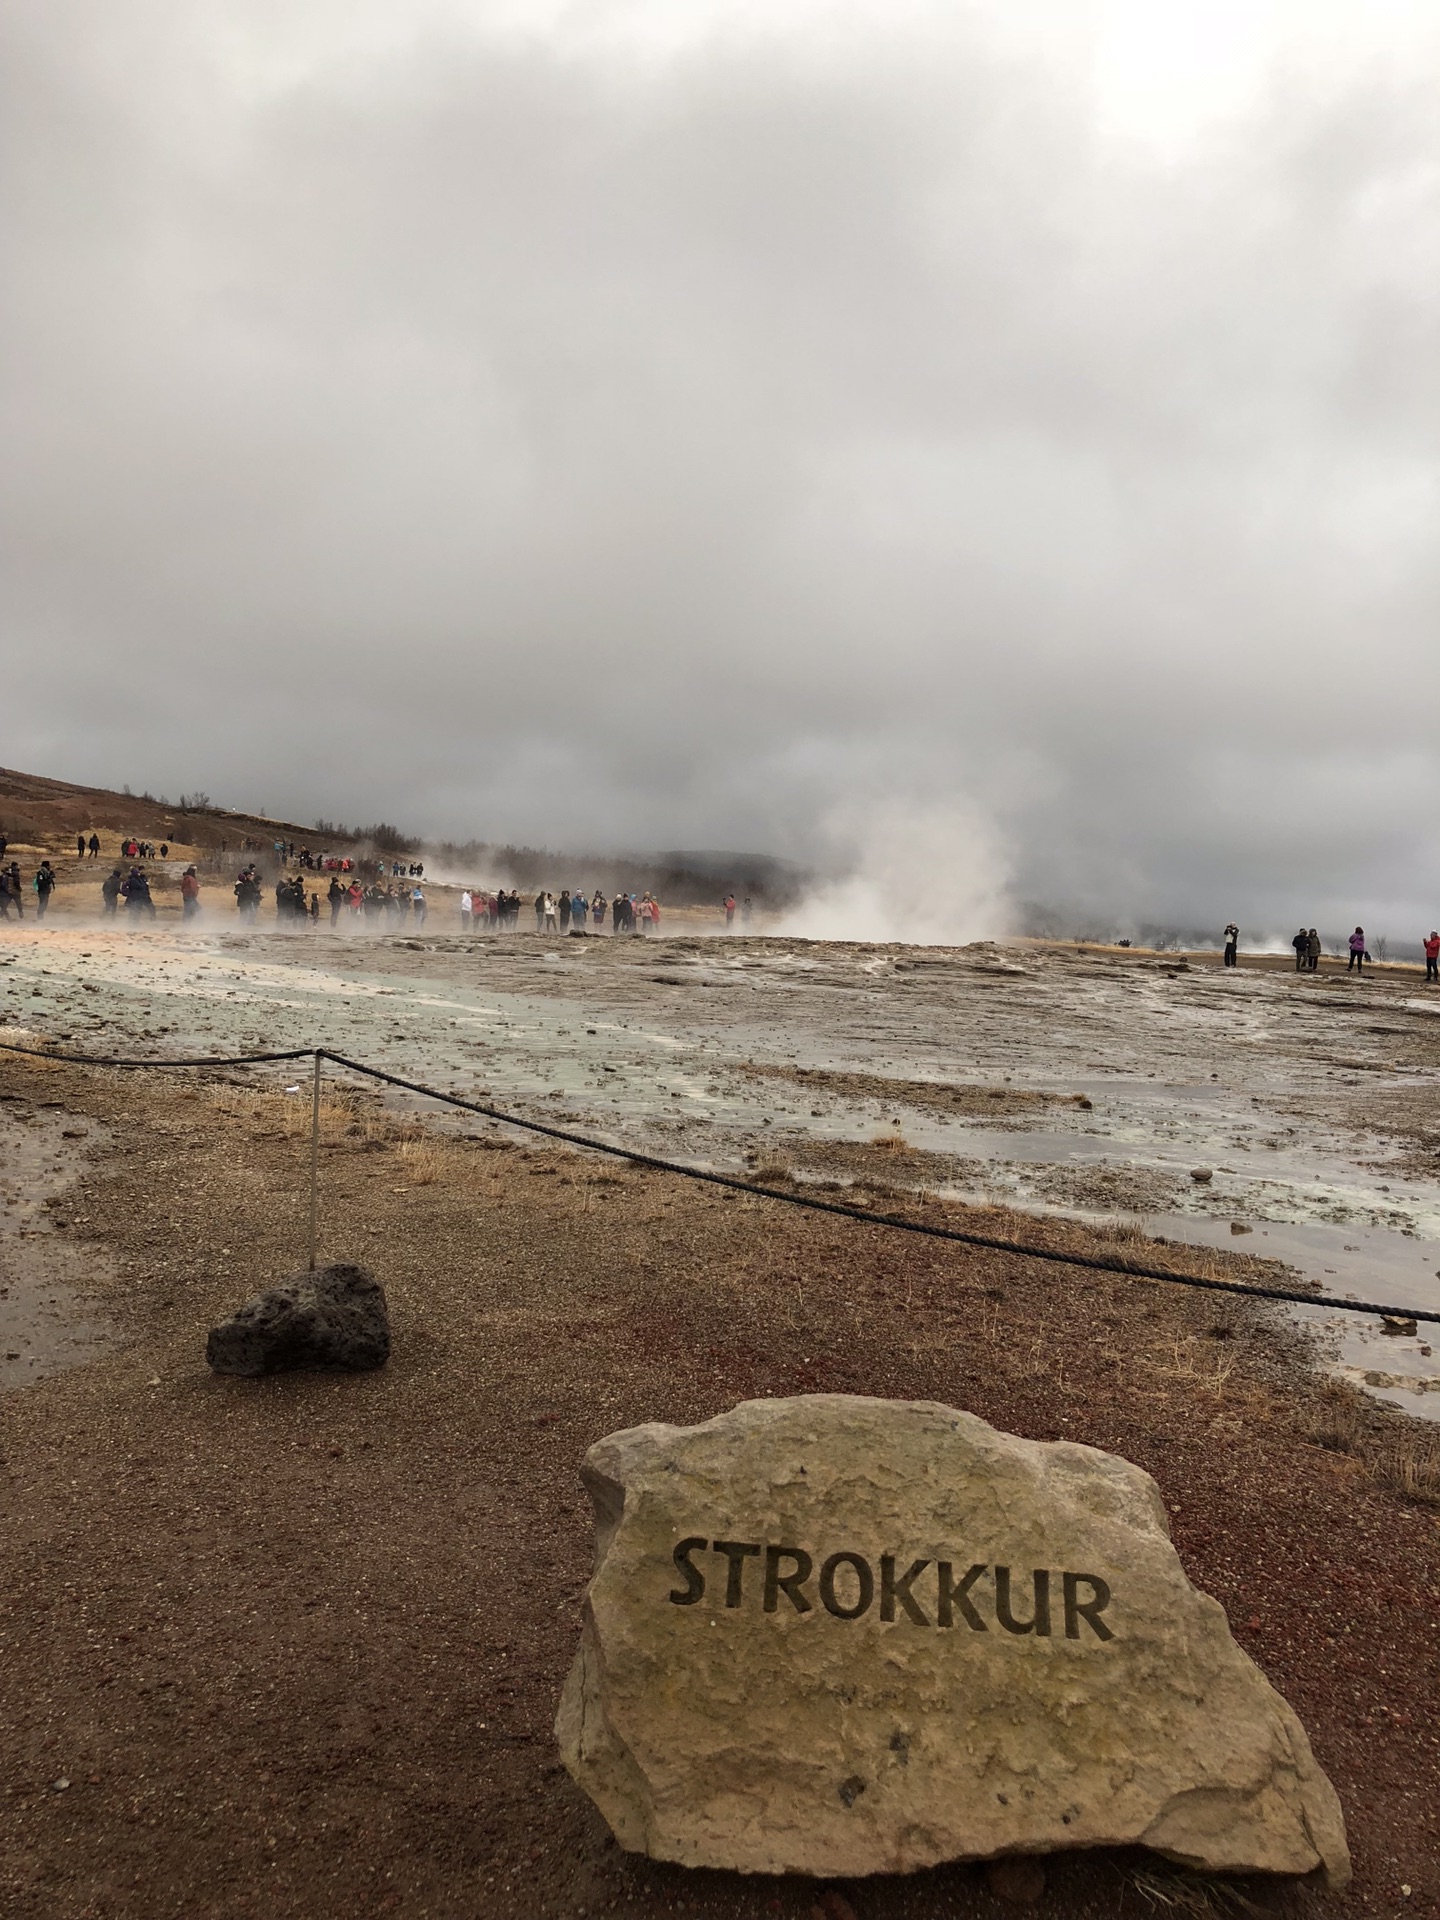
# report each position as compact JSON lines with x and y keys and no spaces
{"x":295,"y":1646}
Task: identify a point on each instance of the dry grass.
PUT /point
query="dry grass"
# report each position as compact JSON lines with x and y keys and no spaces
{"x":1122,"y":1232}
{"x":1405,"y":1461}
{"x":18,"y":1036}
{"x":1202,"y":1895}
{"x":1410,"y":1468}
{"x":771,"y":1173}
{"x":290,"y":1113}
{"x":1196,"y":1363}
{"x":1335,"y":1419}
{"x":891,"y":1141}
{"x":426,"y":1161}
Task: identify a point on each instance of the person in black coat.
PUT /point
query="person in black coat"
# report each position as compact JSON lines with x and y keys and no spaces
{"x":136,"y":890}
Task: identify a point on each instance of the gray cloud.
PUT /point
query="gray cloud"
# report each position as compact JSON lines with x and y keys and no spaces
{"x":535,"y":435}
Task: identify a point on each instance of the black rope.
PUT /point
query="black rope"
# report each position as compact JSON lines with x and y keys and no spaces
{"x":1099,"y":1263}
{"x":206,"y":1060}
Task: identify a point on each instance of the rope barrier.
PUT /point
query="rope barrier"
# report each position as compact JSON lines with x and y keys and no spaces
{"x":1101,"y":1263}
{"x":206,"y":1060}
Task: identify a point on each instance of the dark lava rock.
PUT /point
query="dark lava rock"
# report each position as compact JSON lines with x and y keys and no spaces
{"x":335,"y":1317}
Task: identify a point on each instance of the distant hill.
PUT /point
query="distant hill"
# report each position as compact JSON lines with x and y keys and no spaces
{"x":40,"y":812}
{"x":43,"y":812}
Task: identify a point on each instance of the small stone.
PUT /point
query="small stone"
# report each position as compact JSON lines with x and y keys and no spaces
{"x":1202,"y":1176}
{"x":335,"y":1317}
{"x":1018,"y":1882}
{"x":1239,"y":1226}
{"x":1397,"y":1323}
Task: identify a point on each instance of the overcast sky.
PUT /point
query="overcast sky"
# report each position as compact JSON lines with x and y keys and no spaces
{"x":734,"y":424}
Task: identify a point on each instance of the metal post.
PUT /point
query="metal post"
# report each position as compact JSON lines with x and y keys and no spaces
{"x":314,"y":1159}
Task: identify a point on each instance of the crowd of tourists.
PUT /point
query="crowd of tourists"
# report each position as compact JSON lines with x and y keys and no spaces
{"x":131,"y":848}
{"x":296,"y":906}
{"x":377,"y":900}
{"x":1308,"y":946}
{"x":367,"y":868}
{"x":133,"y":889}
{"x":383,"y":894}
{"x":565,"y":912}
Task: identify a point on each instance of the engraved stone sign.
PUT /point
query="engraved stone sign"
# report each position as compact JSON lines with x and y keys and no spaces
{"x":842,"y":1636}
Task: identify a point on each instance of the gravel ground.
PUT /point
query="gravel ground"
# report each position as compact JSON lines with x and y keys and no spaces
{"x":293,"y":1647}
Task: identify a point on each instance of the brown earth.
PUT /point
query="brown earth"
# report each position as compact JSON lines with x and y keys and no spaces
{"x":293,"y":1647}
{"x":46,"y":815}
{"x":1409,"y":1116}
{"x":936,"y":1096}
{"x":888,"y":1166}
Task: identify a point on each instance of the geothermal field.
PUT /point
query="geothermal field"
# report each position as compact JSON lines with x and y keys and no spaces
{"x":279,"y":1646}
{"x":1291,"y":1117}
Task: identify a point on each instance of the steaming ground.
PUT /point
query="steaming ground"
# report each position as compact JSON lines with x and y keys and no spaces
{"x":1045,"y":1078}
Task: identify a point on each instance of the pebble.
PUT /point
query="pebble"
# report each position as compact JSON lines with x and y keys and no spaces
{"x":1018,"y":1882}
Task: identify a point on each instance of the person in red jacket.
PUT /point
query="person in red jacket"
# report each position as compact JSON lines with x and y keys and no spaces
{"x":189,"y":894}
{"x":1432,"y":958}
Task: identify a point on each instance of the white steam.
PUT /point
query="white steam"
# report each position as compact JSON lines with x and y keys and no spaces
{"x":930,"y":874}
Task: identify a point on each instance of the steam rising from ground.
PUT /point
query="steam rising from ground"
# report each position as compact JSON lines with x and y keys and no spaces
{"x":931,"y":874}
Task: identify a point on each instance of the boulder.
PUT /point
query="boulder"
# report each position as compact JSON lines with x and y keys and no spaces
{"x":841,"y":1636}
{"x":334,"y":1317}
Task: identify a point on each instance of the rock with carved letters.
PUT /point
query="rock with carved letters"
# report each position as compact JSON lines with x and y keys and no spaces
{"x":840,"y":1636}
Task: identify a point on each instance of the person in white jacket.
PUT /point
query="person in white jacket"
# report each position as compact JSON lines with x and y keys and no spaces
{"x":467,"y":907}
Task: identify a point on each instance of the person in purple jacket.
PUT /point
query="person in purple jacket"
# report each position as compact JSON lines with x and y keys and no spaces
{"x":1358,"y":955}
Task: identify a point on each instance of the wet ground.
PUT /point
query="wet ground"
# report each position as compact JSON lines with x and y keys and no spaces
{"x":1050,"y":1078}
{"x":47,"y":1320}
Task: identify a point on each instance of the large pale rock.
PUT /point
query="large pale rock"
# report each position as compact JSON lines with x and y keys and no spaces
{"x":334,"y":1317}
{"x":842,"y":1636}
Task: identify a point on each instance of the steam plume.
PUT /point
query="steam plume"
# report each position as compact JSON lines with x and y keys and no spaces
{"x":926,"y":873}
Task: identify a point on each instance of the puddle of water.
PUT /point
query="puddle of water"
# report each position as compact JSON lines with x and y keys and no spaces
{"x":1354,"y":1263}
{"x":47,"y":1320}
